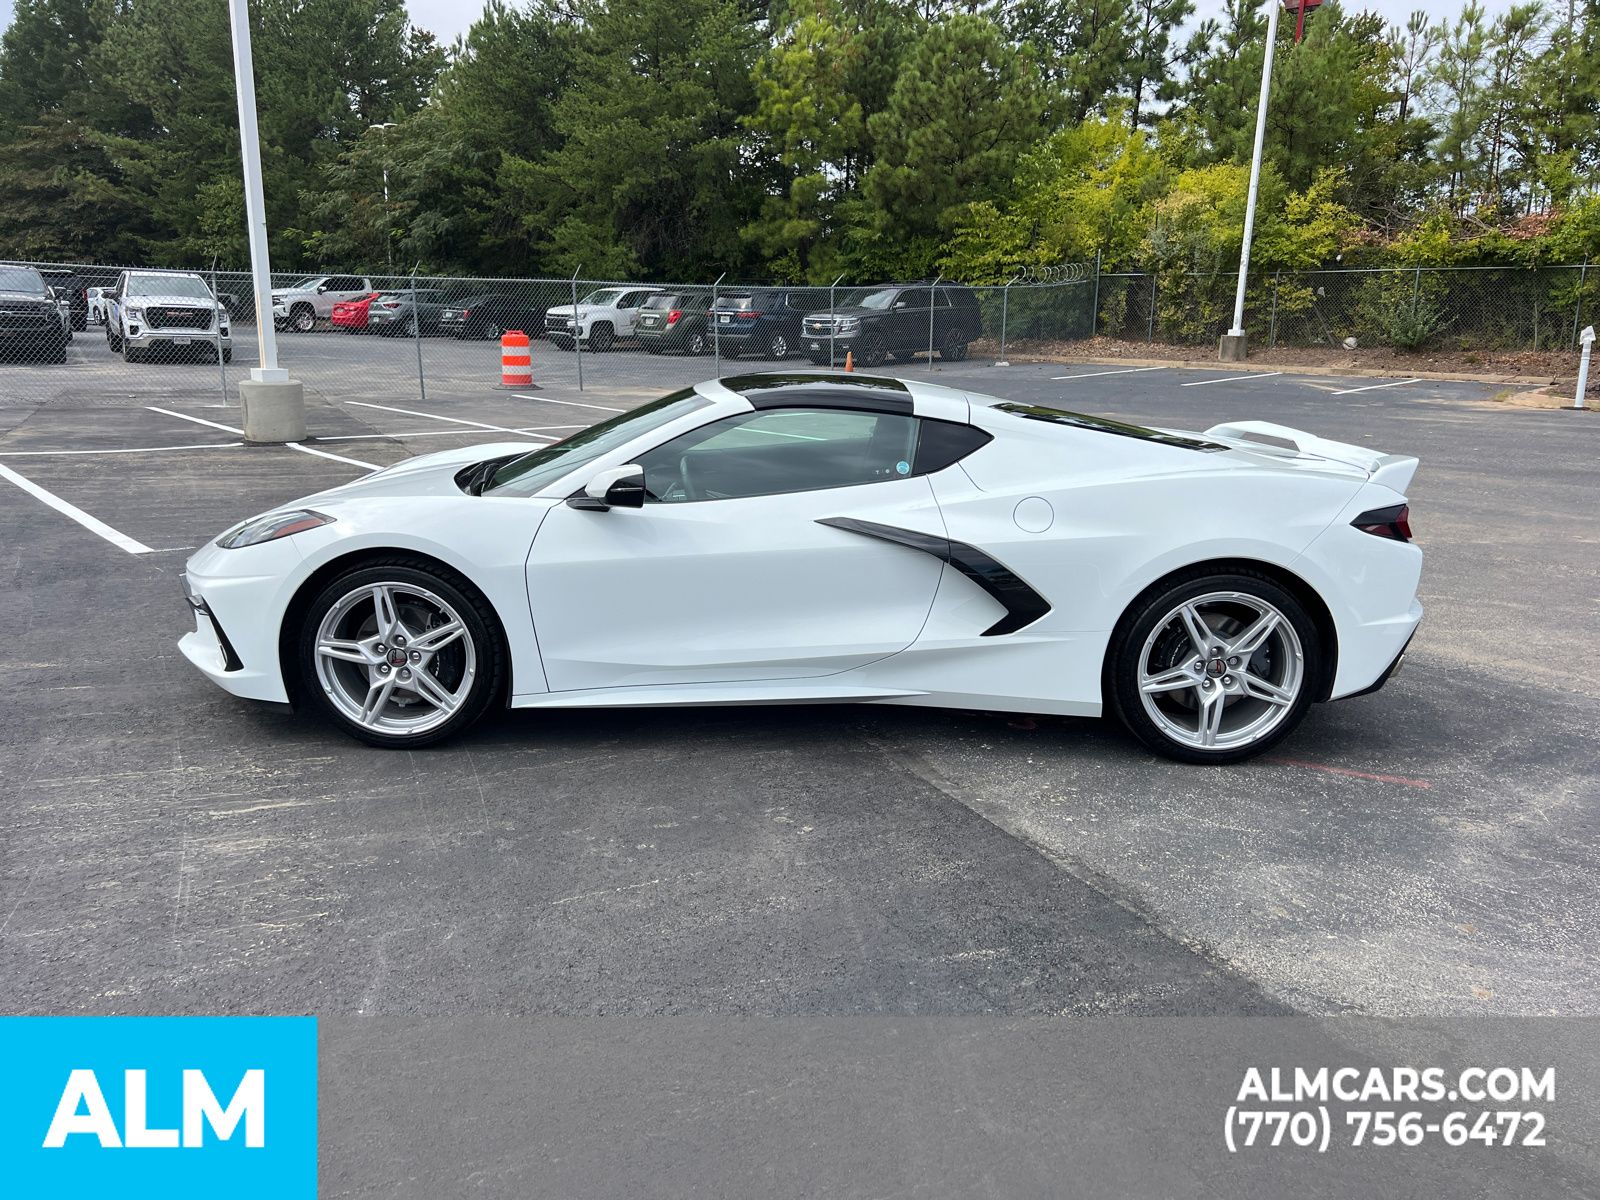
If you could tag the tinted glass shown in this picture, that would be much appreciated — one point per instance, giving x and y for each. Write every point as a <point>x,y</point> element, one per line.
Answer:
<point>942,443</point>
<point>539,468</point>
<point>662,300</point>
<point>21,279</point>
<point>881,298</point>
<point>736,303</point>
<point>778,451</point>
<point>168,285</point>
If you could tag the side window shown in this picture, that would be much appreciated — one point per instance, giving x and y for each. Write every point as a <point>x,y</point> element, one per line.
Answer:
<point>941,298</point>
<point>781,450</point>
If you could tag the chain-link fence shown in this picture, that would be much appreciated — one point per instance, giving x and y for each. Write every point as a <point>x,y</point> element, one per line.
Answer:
<point>106,331</point>
<point>77,332</point>
<point>1404,308</point>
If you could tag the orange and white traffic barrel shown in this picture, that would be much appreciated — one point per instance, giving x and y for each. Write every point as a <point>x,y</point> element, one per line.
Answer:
<point>516,360</point>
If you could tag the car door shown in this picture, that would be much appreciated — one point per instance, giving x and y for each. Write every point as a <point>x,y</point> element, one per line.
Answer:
<point>908,320</point>
<point>628,305</point>
<point>728,572</point>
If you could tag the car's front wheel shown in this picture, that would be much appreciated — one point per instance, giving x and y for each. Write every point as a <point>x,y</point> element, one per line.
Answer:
<point>401,653</point>
<point>303,318</point>
<point>1213,667</point>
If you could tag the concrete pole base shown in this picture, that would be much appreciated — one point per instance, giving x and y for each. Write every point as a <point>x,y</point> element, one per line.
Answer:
<point>273,412</point>
<point>1232,348</point>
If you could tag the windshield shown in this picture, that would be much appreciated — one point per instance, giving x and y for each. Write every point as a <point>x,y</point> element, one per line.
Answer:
<point>526,475</point>
<point>20,279</point>
<point>168,285</point>
<point>882,298</point>
<point>306,284</point>
<point>602,296</point>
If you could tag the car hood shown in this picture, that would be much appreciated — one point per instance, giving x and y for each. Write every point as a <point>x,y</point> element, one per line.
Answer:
<point>425,475</point>
<point>584,310</point>
<point>850,310</point>
<point>20,297</point>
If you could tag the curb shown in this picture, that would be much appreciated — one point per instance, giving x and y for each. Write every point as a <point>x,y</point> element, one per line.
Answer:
<point>1531,381</point>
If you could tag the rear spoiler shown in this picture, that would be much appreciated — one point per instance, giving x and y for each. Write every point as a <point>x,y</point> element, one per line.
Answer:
<point>1391,470</point>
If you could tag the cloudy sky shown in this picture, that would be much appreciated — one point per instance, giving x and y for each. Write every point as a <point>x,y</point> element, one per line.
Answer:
<point>450,17</point>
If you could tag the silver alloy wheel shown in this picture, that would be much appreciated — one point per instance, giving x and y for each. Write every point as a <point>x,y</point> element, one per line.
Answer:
<point>779,347</point>
<point>305,318</point>
<point>1221,671</point>
<point>395,657</point>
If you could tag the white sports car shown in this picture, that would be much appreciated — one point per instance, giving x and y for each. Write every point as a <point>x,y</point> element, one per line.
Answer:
<point>796,538</point>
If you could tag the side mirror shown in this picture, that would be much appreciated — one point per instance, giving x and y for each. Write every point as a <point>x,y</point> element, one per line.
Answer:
<point>617,487</point>
<point>321,287</point>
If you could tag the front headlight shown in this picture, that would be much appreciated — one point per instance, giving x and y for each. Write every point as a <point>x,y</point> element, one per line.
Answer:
<point>135,312</point>
<point>272,526</point>
<point>849,325</point>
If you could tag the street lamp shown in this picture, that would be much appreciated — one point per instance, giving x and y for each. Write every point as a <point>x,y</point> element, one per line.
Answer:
<point>274,405</point>
<point>1232,348</point>
<point>388,248</point>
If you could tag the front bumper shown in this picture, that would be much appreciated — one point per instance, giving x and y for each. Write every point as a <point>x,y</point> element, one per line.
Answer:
<point>237,615</point>
<point>139,335</point>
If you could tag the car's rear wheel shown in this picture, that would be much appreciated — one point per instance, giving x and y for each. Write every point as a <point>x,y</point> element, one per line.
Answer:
<point>954,348</point>
<point>778,347</point>
<point>1214,667</point>
<point>696,344</point>
<point>401,654</point>
<point>873,350</point>
<point>113,340</point>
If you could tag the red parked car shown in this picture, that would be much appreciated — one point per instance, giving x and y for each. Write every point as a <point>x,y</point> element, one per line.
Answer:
<point>351,315</point>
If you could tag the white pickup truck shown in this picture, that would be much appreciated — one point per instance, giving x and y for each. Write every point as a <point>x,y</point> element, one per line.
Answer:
<point>603,316</point>
<point>164,312</point>
<point>306,301</point>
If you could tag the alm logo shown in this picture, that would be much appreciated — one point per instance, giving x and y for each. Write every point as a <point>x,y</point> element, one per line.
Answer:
<point>82,1110</point>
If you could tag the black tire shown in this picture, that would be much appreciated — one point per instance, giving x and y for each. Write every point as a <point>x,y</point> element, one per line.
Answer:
<point>477,615</point>
<point>695,344</point>
<point>227,356</point>
<point>872,350</point>
<point>955,346</point>
<point>130,355</point>
<point>302,318</point>
<point>1145,622</point>
<point>113,340</point>
<point>602,336</point>
<point>778,347</point>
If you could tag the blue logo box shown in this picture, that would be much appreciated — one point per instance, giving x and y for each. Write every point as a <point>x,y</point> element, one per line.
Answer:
<point>159,1106</point>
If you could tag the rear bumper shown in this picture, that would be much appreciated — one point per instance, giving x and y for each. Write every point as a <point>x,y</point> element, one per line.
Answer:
<point>1389,672</point>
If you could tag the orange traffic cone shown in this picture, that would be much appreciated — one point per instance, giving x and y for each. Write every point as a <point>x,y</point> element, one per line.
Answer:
<point>849,360</point>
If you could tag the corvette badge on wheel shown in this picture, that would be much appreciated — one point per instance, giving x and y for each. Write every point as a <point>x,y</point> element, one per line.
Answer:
<point>805,538</point>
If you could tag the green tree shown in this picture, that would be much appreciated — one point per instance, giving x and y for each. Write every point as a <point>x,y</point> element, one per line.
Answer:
<point>650,174</point>
<point>1087,50</point>
<point>965,108</point>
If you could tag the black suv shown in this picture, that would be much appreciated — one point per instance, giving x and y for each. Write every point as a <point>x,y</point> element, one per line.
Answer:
<point>67,283</point>
<point>674,321</point>
<point>30,322</point>
<point>876,322</point>
<point>764,322</point>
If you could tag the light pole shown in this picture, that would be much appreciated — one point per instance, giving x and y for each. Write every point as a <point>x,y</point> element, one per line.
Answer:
<point>1232,348</point>
<point>388,243</point>
<point>274,405</point>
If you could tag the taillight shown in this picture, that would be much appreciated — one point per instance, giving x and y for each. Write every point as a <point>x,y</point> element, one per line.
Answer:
<point>1392,522</point>
<point>673,315</point>
<point>748,316</point>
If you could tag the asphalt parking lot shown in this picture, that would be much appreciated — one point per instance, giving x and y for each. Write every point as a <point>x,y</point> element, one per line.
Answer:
<point>1431,849</point>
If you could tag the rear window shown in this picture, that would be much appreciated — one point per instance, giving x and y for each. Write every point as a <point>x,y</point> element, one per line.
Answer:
<point>662,300</point>
<point>737,303</point>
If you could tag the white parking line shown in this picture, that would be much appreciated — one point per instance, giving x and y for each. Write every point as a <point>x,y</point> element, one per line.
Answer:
<point>1233,378</point>
<point>573,403</point>
<point>167,412</point>
<point>1375,386</point>
<point>1094,374</point>
<point>354,462</point>
<point>121,450</point>
<point>93,524</point>
<point>411,412</point>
